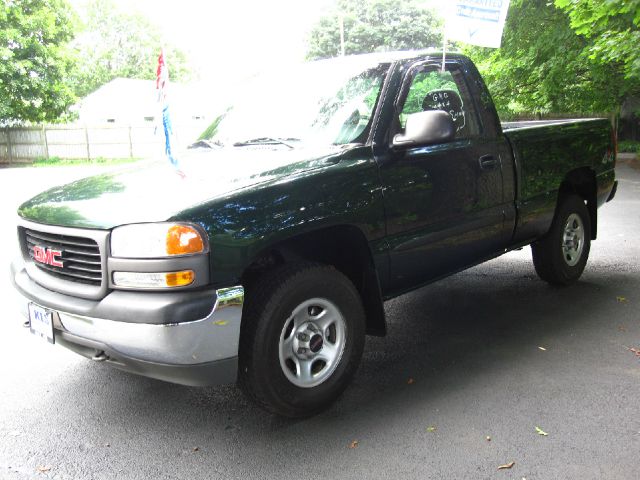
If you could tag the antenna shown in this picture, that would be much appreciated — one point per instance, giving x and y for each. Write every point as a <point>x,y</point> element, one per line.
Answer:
<point>444,48</point>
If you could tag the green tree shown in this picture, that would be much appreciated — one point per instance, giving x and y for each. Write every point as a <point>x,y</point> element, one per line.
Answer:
<point>35,59</point>
<point>542,66</point>
<point>613,29</point>
<point>375,25</point>
<point>115,44</point>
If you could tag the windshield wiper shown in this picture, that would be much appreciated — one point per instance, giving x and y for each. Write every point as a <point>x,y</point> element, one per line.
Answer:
<point>206,144</point>
<point>267,141</point>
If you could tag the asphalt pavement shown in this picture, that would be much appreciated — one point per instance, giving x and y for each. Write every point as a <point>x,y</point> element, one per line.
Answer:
<point>470,367</point>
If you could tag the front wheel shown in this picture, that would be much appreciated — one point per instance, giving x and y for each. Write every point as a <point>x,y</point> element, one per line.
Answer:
<point>302,338</point>
<point>561,255</point>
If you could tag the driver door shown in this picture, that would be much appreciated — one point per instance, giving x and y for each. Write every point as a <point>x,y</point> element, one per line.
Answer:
<point>444,201</point>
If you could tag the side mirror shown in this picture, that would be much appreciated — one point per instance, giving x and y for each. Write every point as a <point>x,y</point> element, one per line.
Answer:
<point>426,128</point>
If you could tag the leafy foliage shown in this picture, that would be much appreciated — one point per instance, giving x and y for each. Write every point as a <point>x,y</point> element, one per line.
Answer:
<point>375,25</point>
<point>629,146</point>
<point>115,44</point>
<point>35,59</point>
<point>613,26</point>
<point>544,67</point>
<point>425,83</point>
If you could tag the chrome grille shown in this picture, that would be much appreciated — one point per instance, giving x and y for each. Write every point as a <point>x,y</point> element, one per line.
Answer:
<point>80,256</point>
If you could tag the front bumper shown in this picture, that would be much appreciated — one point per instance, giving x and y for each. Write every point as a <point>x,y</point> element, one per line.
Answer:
<point>198,352</point>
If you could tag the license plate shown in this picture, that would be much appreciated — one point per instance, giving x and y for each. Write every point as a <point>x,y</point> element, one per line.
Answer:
<point>41,322</point>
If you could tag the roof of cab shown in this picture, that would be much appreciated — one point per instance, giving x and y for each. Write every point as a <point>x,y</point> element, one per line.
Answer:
<point>389,57</point>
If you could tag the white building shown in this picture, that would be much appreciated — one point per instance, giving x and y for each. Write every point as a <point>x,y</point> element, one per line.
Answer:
<point>132,102</point>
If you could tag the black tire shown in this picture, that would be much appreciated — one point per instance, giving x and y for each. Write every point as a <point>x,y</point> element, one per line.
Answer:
<point>559,260</point>
<point>265,375</point>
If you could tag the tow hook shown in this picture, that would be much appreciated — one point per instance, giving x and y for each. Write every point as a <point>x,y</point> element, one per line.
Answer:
<point>100,356</point>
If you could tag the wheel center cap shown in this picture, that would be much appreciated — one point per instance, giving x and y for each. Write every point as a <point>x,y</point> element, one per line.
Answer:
<point>315,344</point>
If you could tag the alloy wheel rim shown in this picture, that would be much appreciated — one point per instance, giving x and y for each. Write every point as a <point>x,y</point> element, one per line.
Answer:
<point>312,342</point>
<point>573,240</point>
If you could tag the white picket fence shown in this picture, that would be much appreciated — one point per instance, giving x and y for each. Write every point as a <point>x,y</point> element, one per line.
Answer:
<point>25,144</point>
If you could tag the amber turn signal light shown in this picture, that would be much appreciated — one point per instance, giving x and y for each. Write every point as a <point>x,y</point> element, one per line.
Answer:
<point>180,279</point>
<point>154,279</point>
<point>183,240</point>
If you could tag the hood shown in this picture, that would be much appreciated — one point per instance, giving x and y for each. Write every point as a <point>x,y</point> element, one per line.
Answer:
<point>155,192</point>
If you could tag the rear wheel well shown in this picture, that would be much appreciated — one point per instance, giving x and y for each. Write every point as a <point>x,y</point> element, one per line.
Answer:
<point>345,248</point>
<point>582,182</point>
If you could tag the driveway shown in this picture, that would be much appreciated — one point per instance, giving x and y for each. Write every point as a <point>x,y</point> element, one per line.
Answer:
<point>470,367</point>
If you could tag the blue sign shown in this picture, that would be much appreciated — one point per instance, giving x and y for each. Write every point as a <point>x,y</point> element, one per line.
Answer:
<point>478,22</point>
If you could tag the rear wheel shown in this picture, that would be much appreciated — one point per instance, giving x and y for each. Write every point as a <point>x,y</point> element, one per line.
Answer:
<point>302,338</point>
<point>561,255</point>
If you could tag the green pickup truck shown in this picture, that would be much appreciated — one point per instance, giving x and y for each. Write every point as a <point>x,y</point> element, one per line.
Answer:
<point>320,192</point>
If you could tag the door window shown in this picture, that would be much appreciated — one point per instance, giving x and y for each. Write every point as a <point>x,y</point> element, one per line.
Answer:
<point>433,89</point>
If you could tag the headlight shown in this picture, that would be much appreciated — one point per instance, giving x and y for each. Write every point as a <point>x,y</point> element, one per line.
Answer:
<point>156,240</point>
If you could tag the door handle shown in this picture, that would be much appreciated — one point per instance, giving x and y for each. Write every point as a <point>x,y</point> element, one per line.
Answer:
<point>488,162</point>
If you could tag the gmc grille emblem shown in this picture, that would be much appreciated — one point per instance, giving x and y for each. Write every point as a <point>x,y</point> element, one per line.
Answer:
<point>47,256</point>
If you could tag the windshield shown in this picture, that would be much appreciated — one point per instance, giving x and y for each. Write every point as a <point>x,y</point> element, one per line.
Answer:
<point>328,102</point>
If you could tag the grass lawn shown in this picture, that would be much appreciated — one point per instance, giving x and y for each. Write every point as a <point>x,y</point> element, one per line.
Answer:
<point>65,162</point>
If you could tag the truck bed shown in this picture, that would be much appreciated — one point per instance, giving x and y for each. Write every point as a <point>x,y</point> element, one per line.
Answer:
<point>545,153</point>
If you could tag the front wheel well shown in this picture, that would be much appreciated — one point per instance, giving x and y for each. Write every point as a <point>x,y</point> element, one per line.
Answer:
<point>345,248</point>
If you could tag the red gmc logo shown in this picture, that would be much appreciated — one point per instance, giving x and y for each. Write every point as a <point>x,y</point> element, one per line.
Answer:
<point>47,255</point>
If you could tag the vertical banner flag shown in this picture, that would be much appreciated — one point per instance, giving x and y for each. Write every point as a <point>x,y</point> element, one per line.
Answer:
<point>162,83</point>
<point>477,22</point>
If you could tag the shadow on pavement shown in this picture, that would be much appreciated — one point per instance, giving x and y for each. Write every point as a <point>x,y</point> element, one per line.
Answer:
<point>462,330</point>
